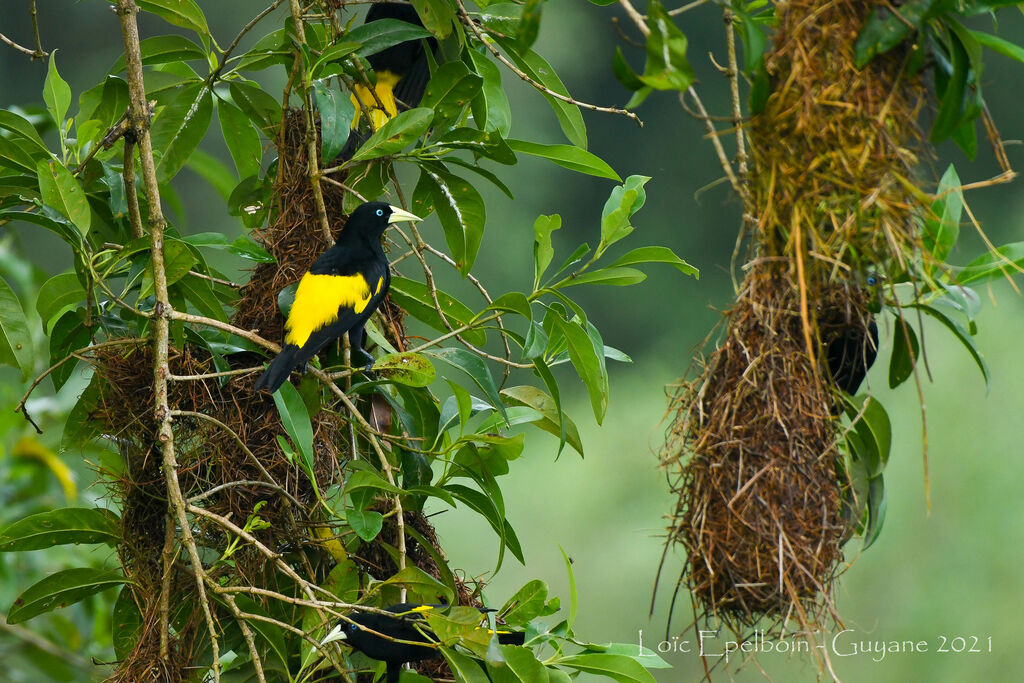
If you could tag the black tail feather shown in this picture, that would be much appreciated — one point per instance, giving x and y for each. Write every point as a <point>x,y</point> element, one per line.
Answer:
<point>282,366</point>
<point>513,638</point>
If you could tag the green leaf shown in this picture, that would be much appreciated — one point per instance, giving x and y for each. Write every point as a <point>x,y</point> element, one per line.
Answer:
<point>21,126</point>
<point>125,623</point>
<point>905,351</point>
<point>589,364</point>
<point>622,203</point>
<point>422,586</point>
<point>58,294</point>
<point>62,191</point>
<point>883,30</point>
<point>69,333</point>
<point>365,522</point>
<point>183,13</point>
<point>491,110</point>
<point>382,34</point>
<point>605,276</point>
<point>1005,260</point>
<point>1000,45</point>
<point>655,255</point>
<point>336,114</point>
<point>537,68</point>
<point>873,430</point>
<point>241,138</point>
<point>462,213</point>
<point>414,297</point>
<point>56,92</point>
<point>49,219</point>
<point>369,479</point>
<point>178,261</point>
<point>523,664</point>
<point>645,656</point>
<point>199,293</point>
<point>527,603</point>
<point>448,92</point>
<point>164,49</point>
<point>61,589</point>
<point>15,340</point>
<point>511,302</point>
<point>437,16</point>
<point>466,670</point>
<point>942,226</point>
<point>567,156</point>
<point>476,368</point>
<point>260,107</point>
<point>485,506</point>
<point>618,667</point>
<point>554,420</point>
<point>333,54</point>
<point>180,127</point>
<point>624,72</point>
<point>876,511</point>
<point>952,97</point>
<point>410,369</point>
<point>543,252</point>
<point>961,334</point>
<point>295,420</point>
<point>667,67</point>
<point>60,527</point>
<point>396,134</point>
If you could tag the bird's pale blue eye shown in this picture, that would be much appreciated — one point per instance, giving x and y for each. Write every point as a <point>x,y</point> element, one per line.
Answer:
<point>871,280</point>
<point>353,627</point>
<point>380,212</point>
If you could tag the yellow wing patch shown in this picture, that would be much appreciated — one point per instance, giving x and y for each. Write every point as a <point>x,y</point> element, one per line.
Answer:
<point>317,301</point>
<point>363,98</point>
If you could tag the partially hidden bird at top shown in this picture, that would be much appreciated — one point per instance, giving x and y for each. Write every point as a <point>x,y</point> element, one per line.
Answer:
<point>338,294</point>
<point>402,70</point>
<point>377,635</point>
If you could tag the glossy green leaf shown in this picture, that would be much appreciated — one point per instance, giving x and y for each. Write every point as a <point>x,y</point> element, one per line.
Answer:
<point>410,369</point>
<point>543,252</point>
<point>20,126</point>
<point>332,54</point>
<point>1000,45</point>
<point>491,110</point>
<point>58,294</point>
<point>883,30</point>
<point>525,666</point>
<point>655,255</point>
<point>199,292</point>
<point>15,340</point>
<point>68,334</point>
<point>164,49</point>
<point>605,276</point>
<point>396,134</point>
<point>183,13</point>
<point>437,16</point>
<point>179,129</point>
<point>241,138</point>
<point>622,203</point>
<point>414,297</point>
<point>61,190</point>
<point>178,261</point>
<point>466,670</point>
<point>449,90</point>
<point>645,656</point>
<point>667,67</point>
<point>537,68</point>
<point>476,368</point>
<point>60,589</point>
<point>961,334</point>
<point>620,668</point>
<point>422,586</point>
<point>1007,260</point>
<point>336,114</point>
<point>567,156</point>
<point>952,97</point>
<point>588,363</point>
<point>365,522</point>
<point>876,510</point>
<point>905,351</point>
<point>261,108</point>
<point>624,72</point>
<point>295,420</point>
<point>554,421</point>
<point>56,92</point>
<point>462,213</point>
<point>61,527</point>
<point>382,34</point>
<point>50,220</point>
<point>874,430</point>
<point>125,623</point>
<point>942,226</point>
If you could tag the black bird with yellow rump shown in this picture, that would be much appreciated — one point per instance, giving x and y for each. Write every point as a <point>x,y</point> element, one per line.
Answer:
<point>380,636</point>
<point>338,294</point>
<point>402,70</point>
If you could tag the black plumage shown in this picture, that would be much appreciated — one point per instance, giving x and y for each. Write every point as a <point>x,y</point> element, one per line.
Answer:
<point>407,624</point>
<point>338,294</point>
<point>850,354</point>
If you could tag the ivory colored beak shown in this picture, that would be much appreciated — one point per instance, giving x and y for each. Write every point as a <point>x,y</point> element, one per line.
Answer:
<point>337,633</point>
<point>398,215</point>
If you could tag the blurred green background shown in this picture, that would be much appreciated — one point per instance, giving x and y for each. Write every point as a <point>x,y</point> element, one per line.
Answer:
<point>951,572</point>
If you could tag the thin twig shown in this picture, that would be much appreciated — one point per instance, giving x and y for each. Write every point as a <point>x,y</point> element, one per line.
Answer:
<point>24,50</point>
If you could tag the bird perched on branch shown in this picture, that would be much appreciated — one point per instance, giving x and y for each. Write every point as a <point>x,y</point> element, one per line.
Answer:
<point>339,293</point>
<point>402,70</point>
<point>377,635</point>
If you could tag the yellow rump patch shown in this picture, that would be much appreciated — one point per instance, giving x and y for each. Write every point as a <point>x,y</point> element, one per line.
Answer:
<point>386,82</point>
<point>422,608</point>
<point>317,301</point>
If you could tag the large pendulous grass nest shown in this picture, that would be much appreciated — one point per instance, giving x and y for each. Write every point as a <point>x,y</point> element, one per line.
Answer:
<point>753,449</point>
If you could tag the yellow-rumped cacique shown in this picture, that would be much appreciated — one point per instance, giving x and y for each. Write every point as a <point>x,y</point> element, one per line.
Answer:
<point>338,294</point>
<point>377,635</point>
<point>402,70</point>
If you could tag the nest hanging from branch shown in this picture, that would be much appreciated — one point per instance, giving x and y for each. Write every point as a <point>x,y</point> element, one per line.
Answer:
<point>753,447</point>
